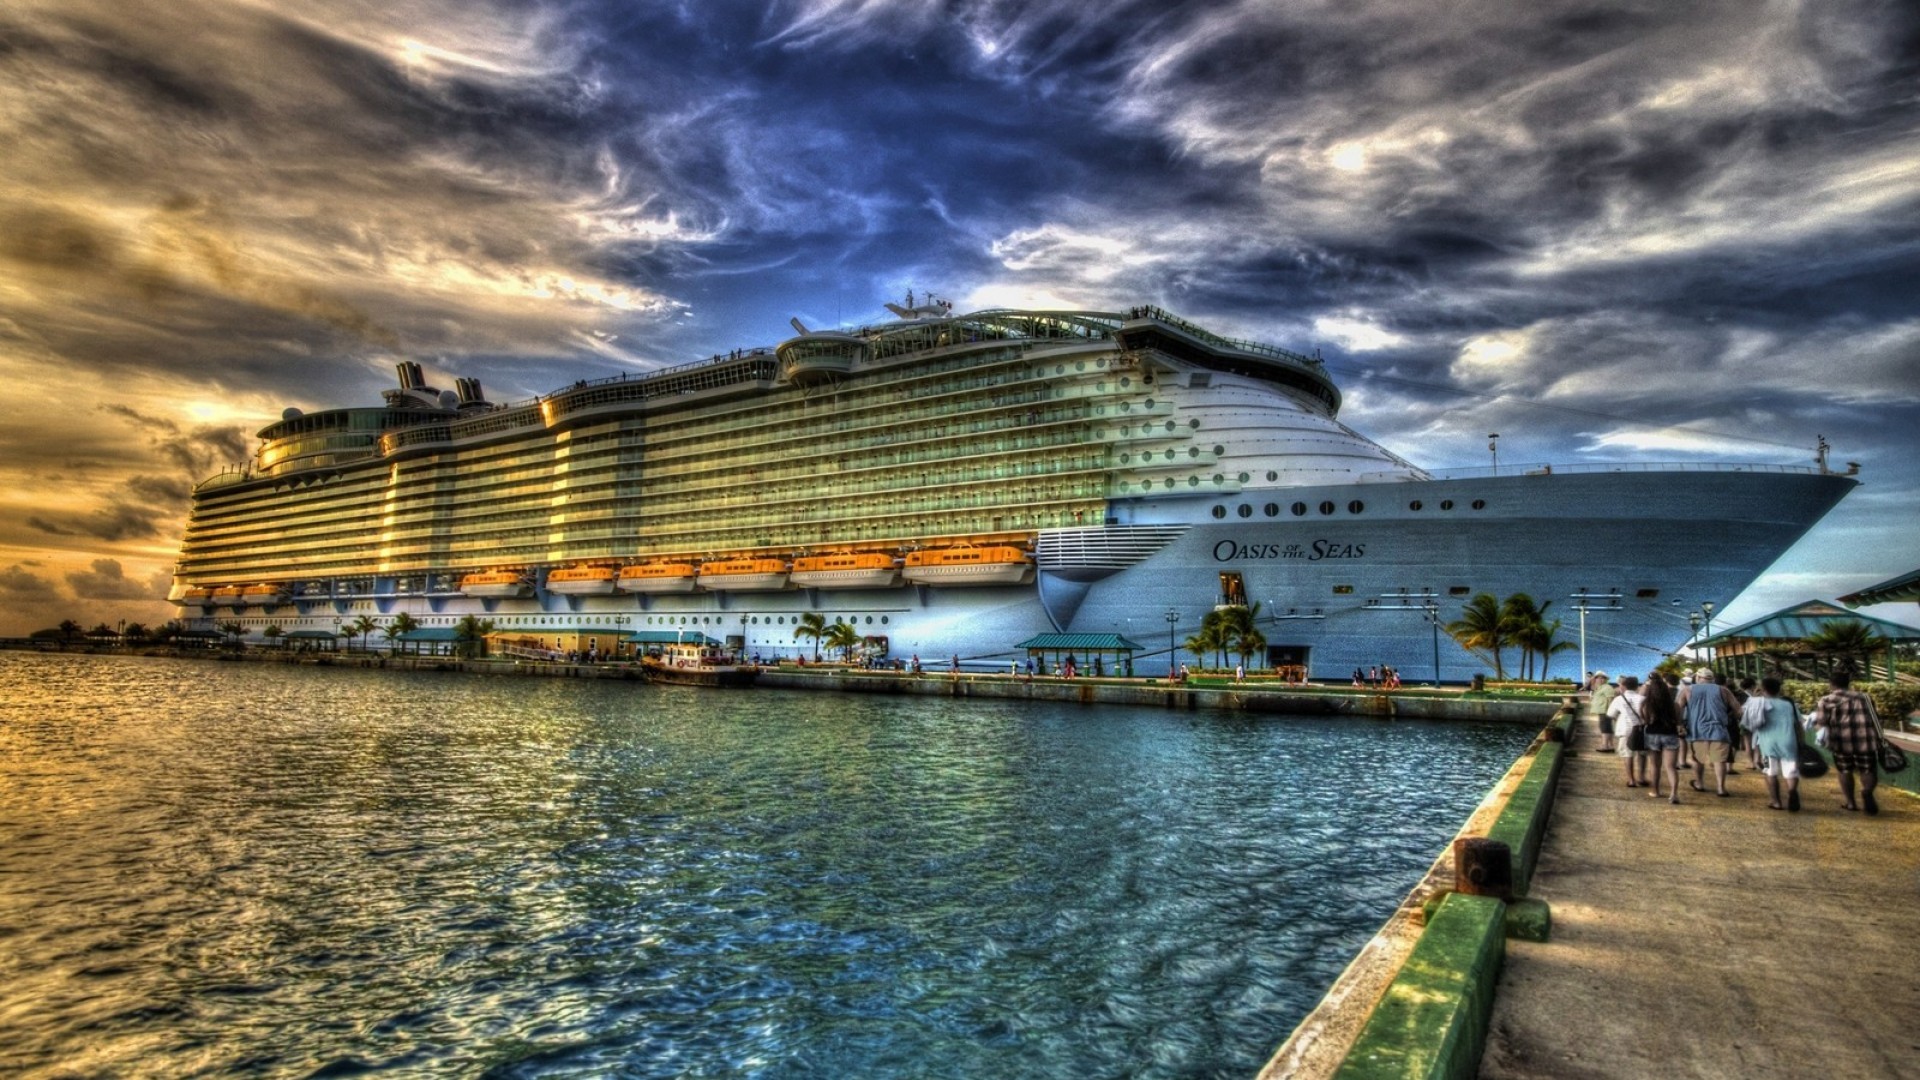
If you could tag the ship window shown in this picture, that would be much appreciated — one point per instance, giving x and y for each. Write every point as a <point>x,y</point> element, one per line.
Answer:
<point>1193,451</point>
<point>1458,590</point>
<point>1218,449</point>
<point>1169,454</point>
<point>1219,478</point>
<point>1479,504</point>
<point>1199,380</point>
<point>1414,505</point>
<point>1271,509</point>
<point>1326,507</point>
<point>1059,369</point>
<point>1244,478</point>
<point>1245,511</point>
<point>1149,403</point>
<point>1356,506</point>
<point>1271,475</point>
<point>1343,590</point>
<point>1169,427</point>
<point>1647,594</point>
<point>1169,483</point>
<point>1125,382</point>
<point>1446,504</point>
<point>1125,457</point>
<point>883,620</point>
<point>1080,366</point>
<point>1193,481</point>
<point>1193,425</point>
<point>1219,511</point>
<point>1299,509</point>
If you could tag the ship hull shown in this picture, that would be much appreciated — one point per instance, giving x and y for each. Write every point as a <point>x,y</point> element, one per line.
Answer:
<point>846,579</point>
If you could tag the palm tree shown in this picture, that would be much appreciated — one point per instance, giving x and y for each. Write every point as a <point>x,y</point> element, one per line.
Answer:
<point>470,635</point>
<point>1845,644</point>
<point>1247,643</point>
<point>232,630</point>
<point>402,623</point>
<point>68,631</point>
<point>365,625</point>
<point>812,625</point>
<point>136,632</point>
<point>273,632</point>
<point>1208,640</point>
<point>1525,625</point>
<point>1481,629</point>
<point>844,637</point>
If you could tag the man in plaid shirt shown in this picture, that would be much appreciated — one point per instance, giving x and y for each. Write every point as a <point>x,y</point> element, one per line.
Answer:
<point>1852,739</point>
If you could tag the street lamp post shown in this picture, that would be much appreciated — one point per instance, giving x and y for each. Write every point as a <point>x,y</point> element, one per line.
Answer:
<point>1433,617</point>
<point>1173,619</point>
<point>1693,624</point>
<point>1707,606</point>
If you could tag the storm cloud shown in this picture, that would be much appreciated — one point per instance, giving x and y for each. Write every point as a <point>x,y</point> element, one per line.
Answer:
<point>1625,230</point>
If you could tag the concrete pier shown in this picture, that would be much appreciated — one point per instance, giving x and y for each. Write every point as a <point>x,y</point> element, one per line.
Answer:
<point>1716,938</point>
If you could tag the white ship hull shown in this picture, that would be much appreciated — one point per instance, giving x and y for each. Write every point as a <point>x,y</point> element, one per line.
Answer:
<point>581,588</point>
<point>744,582</point>
<point>846,579</point>
<point>656,586</point>
<point>974,574</point>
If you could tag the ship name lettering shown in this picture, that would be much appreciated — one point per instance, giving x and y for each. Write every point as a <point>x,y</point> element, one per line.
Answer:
<point>1231,550</point>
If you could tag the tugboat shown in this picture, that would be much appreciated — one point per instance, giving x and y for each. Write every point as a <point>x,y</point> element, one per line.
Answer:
<point>700,662</point>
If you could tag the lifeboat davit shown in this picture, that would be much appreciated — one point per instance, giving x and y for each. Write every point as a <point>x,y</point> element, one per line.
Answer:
<point>582,581</point>
<point>744,575</point>
<point>495,585</point>
<point>651,578</point>
<point>998,565</point>
<point>864,570</point>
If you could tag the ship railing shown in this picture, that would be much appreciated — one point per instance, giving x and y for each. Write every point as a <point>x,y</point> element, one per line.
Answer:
<point>1581,468</point>
<point>1236,344</point>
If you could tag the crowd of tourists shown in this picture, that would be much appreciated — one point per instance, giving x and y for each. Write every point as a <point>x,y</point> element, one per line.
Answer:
<point>1695,725</point>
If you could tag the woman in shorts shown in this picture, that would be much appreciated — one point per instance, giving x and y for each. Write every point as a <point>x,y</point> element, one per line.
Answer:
<point>1773,725</point>
<point>1662,736</point>
<point>1627,713</point>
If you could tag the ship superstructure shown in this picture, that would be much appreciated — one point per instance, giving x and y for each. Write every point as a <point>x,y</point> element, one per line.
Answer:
<point>951,484</point>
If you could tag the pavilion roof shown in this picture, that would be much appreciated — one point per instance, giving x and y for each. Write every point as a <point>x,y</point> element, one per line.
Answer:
<point>1807,618</point>
<point>1080,642</point>
<point>1904,587</point>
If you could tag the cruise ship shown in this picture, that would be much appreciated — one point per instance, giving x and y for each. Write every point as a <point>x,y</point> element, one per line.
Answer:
<point>953,485</point>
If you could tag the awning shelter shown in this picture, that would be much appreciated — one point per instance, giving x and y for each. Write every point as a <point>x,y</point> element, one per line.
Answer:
<point>1756,648</point>
<point>1113,652</point>
<point>1891,591</point>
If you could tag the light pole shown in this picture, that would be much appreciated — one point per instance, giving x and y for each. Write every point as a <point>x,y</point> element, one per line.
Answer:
<point>1707,606</point>
<point>1173,619</point>
<point>1493,446</point>
<point>1693,623</point>
<point>1433,617</point>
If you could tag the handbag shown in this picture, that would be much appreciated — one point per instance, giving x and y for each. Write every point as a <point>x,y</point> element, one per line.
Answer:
<point>1892,758</point>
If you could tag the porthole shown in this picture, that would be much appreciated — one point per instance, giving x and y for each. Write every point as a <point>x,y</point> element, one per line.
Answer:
<point>1193,425</point>
<point>1125,457</point>
<point>1169,453</point>
<point>1193,451</point>
<point>883,620</point>
<point>1101,386</point>
<point>1059,369</point>
<point>1125,382</point>
<point>1271,475</point>
<point>1356,506</point>
<point>1245,511</point>
<point>1193,481</point>
<point>1446,504</point>
<point>1080,366</point>
<point>1219,511</point>
<point>1219,478</point>
<point>1244,478</point>
<point>1326,507</point>
<point>1149,404</point>
<point>1299,509</point>
<point>1169,483</point>
<point>1170,426</point>
<point>1271,509</point>
<point>869,620</point>
<point>1414,505</point>
<point>1479,504</point>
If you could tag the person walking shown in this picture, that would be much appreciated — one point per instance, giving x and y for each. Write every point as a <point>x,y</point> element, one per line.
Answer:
<point>1599,700</point>
<point>1773,730</point>
<point>1709,709</point>
<point>1662,735</point>
<point>1626,714</point>
<point>1846,715</point>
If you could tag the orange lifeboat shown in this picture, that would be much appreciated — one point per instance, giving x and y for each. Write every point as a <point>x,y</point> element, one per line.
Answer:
<point>861,570</point>
<point>744,575</point>
<point>661,577</point>
<point>997,565</point>
<point>198,596</point>
<point>264,594</point>
<point>229,595</point>
<point>582,581</point>
<point>495,585</point>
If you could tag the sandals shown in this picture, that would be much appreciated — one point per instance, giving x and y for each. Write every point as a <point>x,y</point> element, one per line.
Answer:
<point>1695,785</point>
<point>1866,798</point>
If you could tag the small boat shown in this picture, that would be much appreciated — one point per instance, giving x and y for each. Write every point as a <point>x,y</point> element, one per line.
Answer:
<point>666,577</point>
<point>582,581</point>
<point>744,575</point>
<point>496,584</point>
<point>995,565</point>
<point>197,597</point>
<point>714,675</point>
<point>856,570</point>
<point>229,596</point>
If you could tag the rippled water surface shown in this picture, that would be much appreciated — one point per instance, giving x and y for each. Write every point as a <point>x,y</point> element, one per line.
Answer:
<point>214,869</point>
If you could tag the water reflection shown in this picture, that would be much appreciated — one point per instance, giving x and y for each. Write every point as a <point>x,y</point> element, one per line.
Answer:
<point>282,871</point>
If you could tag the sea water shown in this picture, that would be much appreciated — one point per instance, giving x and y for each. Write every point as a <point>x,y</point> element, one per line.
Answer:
<point>259,869</point>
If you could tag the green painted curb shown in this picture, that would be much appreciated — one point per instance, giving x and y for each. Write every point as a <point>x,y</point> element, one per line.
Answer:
<point>1431,1024</point>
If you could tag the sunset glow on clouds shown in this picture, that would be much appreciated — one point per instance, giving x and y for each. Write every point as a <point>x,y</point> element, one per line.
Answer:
<point>1639,231</point>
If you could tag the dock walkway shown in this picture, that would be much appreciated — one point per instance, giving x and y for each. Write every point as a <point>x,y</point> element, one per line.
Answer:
<point>1716,938</point>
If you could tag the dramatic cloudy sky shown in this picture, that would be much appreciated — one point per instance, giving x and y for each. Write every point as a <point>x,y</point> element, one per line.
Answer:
<point>1631,231</point>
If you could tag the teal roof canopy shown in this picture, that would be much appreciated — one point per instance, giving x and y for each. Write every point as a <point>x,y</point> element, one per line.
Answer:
<point>1892,590</point>
<point>1805,619</point>
<point>309,635</point>
<point>670,637</point>
<point>431,633</point>
<point>1079,642</point>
